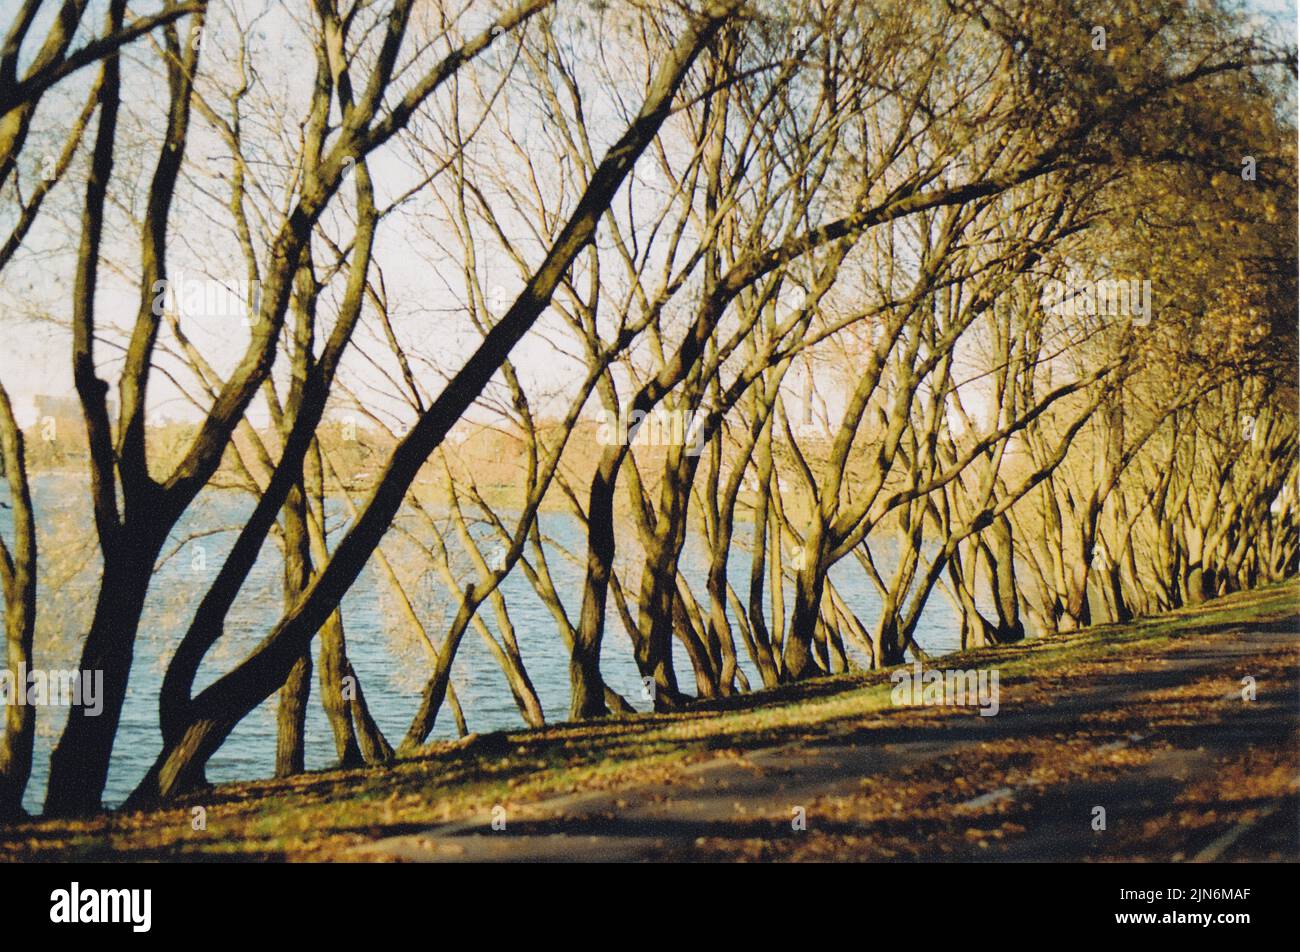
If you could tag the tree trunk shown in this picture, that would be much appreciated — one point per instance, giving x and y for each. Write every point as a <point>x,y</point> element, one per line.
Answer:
<point>587,697</point>
<point>291,716</point>
<point>335,695</point>
<point>79,763</point>
<point>18,574</point>
<point>798,659</point>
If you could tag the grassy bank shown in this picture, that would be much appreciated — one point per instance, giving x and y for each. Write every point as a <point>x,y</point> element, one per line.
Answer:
<point>322,815</point>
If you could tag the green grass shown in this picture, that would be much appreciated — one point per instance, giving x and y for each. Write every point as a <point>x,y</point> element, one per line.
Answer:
<point>322,814</point>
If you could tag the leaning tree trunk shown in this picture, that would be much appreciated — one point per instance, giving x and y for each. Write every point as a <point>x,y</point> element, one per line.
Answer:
<point>336,694</point>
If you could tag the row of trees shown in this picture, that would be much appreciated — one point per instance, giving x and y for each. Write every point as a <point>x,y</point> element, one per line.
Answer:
<point>809,245</point>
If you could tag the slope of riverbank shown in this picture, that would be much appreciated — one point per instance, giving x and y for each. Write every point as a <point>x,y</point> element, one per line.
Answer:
<point>1146,721</point>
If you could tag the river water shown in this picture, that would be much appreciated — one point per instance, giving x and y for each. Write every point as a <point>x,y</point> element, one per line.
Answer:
<point>388,656</point>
